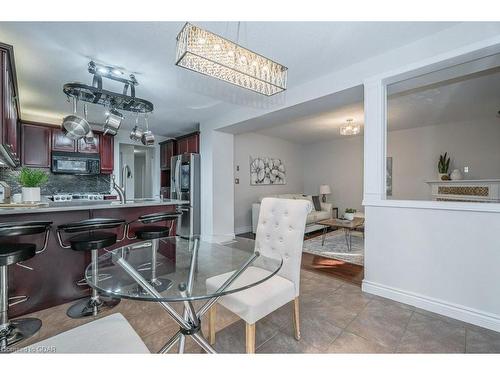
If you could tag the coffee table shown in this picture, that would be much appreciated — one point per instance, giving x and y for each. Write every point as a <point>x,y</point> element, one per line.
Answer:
<point>347,226</point>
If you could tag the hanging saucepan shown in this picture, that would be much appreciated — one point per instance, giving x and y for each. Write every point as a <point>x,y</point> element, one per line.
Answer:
<point>137,132</point>
<point>73,126</point>
<point>113,122</point>
<point>148,139</point>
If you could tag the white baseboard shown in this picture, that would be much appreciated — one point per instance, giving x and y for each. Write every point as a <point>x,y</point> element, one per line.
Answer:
<point>459,312</point>
<point>241,230</point>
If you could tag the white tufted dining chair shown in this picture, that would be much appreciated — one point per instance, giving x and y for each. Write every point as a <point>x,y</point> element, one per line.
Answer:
<point>280,231</point>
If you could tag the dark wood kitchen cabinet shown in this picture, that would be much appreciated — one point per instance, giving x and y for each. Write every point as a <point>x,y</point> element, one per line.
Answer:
<point>88,148</point>
<point>107,153</point>
<point>9,102</point>
<point>167,150</point>
<point>62,143</point>
<point>189,143</point>
<point>36,145</point>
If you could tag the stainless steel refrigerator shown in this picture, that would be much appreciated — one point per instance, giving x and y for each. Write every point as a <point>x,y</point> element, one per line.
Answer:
<point>185,185</point>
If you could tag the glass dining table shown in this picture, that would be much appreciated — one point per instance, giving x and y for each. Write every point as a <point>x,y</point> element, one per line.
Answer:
<point>177,272</point>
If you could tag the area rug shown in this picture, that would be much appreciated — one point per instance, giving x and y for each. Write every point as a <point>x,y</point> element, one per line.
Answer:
<point>335,247</point>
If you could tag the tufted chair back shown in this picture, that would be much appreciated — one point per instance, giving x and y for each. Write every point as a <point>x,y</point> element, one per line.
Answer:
<point>281,231</point>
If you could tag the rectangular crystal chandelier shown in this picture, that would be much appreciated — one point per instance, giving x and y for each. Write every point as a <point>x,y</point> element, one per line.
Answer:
<point>210,54</point>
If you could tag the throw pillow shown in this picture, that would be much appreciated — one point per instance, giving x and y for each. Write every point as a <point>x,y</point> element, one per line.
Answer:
<point>316,202</point>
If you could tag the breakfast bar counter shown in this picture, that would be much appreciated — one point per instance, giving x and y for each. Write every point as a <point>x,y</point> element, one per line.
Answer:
<point>49,206</point>
<point>54,276</point>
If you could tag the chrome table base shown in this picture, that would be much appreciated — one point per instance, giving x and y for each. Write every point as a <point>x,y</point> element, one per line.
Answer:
<point>190,321</point>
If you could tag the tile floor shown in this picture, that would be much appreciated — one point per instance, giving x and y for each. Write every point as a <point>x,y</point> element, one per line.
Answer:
<point>336,317</point>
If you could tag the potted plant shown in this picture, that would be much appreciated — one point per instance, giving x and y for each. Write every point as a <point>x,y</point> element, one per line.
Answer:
<point>349,214</point>
<point>443,166</point>
<point>31,180</point>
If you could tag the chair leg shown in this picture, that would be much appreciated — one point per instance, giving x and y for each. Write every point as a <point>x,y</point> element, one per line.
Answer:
<point>212,313</point>
<point>296,318</point>
<point>250,338</point>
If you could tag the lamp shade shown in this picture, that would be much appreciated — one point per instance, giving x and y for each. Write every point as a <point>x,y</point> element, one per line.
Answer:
<point>325,189</point>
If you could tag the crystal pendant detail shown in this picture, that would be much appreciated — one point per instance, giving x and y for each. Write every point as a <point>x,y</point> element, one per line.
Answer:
<point>210,54</point>
<point>350,128</point>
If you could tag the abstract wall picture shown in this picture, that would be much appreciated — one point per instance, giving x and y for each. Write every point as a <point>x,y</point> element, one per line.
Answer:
<point>267,171</point>
<point>388,177</point>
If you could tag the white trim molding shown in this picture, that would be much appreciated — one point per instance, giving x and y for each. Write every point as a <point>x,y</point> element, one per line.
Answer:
<point>459,312</point>
<point>435,205</point>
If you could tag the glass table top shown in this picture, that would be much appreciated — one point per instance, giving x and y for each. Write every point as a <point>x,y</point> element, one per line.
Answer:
<point>122,272</point>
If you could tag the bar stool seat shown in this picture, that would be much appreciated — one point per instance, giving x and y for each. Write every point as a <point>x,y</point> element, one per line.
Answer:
<point>92,241</point>
<point>14,331</point>
<point>152,232</point>
<point>92,235</point>
<point>16,252</point>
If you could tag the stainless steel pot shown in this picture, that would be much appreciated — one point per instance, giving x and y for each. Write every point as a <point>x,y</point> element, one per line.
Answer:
<point>148,139</point>
<point>113,122</point>
<point>136,134</point>
<point>75,127</point>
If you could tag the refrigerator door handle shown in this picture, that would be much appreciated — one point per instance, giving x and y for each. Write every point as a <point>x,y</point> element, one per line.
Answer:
<point>177,178</point>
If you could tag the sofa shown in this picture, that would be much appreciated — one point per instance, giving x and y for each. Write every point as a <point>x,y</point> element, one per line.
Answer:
<point>312,218</point>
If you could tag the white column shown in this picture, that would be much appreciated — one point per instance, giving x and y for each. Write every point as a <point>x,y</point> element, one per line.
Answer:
<point>217,189</point>
<point>374,141</point>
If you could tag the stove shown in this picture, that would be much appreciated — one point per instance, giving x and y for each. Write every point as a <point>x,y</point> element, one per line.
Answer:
<point>62,197</point>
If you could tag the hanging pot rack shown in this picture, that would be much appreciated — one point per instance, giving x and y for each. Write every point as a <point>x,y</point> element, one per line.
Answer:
<point>97,95</point>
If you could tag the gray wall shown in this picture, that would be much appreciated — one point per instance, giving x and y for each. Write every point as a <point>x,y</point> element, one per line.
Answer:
<point>338,163</point>
<point>415,153</point>
<point>253,144</point>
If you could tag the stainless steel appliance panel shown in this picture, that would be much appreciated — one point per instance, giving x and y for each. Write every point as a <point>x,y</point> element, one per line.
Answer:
<point>185,185</point>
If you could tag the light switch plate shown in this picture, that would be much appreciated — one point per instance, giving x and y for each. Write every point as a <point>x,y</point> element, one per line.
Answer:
<point>466,169</point>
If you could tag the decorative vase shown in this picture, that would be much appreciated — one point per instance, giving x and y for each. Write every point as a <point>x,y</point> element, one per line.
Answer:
<point>349,216</point>
<point>441,175</point>
<point>456,175</point>
<point>30,194</point>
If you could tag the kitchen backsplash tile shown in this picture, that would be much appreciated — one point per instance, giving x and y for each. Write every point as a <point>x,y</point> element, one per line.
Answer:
<point>61,183</point>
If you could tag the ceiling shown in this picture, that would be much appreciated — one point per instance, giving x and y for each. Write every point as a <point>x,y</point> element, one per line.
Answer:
<point>468,98</point>
<point>49,54</point>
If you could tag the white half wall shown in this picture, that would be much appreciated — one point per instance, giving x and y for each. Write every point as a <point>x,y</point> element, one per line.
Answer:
<point>253,144</point>
<point>439,256</point>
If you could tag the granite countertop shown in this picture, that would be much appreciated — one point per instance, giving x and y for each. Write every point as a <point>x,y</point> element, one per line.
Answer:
<point>91,205</point>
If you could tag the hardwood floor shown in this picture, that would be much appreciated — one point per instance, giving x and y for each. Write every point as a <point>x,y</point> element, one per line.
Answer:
<point>351,273</point>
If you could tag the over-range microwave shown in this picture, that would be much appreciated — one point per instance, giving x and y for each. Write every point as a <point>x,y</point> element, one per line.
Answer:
<point>75,163</point>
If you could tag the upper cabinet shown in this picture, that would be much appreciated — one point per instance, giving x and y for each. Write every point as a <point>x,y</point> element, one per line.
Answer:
<point>9,107</point>
<point>88,147</point>
<point>36,145</point>
<point>189,143</point>
<point>167,150</point>
<point>62,143</point>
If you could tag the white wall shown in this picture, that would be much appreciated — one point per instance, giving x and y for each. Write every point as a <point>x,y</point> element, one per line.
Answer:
<point>338,163</point>
<point>439,256</point>
<point>123,138</point>
<point>415,153</point>
<point>253,144</point>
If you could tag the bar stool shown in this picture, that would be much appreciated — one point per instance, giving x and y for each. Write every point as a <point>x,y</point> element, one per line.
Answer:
<point>154,233</point>
<point>92,240</point>
<point>13,331</point>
